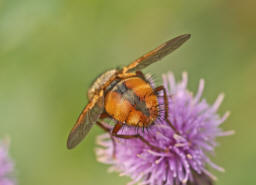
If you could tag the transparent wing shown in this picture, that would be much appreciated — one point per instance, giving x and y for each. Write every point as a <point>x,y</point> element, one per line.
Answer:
<point>85,121</point>
<point>156,54</point>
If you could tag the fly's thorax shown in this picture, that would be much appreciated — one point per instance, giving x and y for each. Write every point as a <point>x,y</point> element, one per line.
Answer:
<point>132,101</point>
<point>100,81</point>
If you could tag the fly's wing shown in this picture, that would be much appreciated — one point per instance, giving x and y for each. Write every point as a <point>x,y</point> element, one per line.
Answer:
<point>156,54</point>
<point>84,123</point>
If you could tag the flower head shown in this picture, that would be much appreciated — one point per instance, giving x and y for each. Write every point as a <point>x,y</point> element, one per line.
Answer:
<point>6,165</point>
<point>183,159</point>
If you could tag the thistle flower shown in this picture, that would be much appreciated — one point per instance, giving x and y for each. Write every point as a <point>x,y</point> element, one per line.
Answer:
<point>185,160</point>
<point>6,165</point>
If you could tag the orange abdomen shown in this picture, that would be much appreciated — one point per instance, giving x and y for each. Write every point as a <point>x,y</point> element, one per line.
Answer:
<point>132,101</point>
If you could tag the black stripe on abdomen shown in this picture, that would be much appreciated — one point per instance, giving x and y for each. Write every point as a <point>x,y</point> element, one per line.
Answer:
<point>130,96</point>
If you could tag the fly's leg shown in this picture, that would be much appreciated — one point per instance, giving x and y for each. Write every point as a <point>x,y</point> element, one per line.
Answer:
<point>105,128</point>
<point>166,107</point>
<point>118,126</point>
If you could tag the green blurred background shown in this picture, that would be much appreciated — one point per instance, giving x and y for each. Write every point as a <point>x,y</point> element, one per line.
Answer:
<point>51,50</point>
